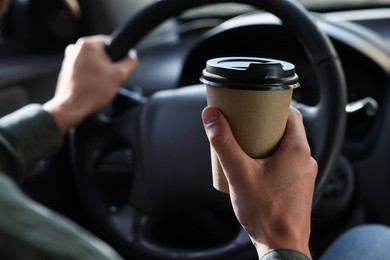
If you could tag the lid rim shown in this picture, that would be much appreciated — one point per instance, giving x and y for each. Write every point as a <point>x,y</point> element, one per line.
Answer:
<point>244,86</point>
<point>249,73</point>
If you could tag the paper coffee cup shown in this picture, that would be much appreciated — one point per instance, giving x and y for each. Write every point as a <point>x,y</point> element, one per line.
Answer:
<point>254,94</point>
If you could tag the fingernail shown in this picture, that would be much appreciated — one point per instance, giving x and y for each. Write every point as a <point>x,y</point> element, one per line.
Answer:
<point>210,115</point>
<point>133,54</point>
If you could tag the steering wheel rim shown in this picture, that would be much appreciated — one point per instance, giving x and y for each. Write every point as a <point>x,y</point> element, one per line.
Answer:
<point>295,17</point>
<point>327,117</point>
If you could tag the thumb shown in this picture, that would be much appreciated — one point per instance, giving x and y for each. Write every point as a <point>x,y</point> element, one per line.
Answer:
<point>221,138</point>
<point>127,65</point>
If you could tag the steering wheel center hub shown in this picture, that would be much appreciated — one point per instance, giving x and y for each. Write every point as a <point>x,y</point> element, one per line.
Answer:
<point>175,172</point>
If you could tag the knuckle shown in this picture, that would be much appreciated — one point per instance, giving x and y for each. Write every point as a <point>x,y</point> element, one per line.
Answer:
<point>302,149</point>
<point>297,113</point>
<point>69,49</point>
<point>81,41</point>
<point>85,44</point>
<point>313,165</point>
<point>216,137</point>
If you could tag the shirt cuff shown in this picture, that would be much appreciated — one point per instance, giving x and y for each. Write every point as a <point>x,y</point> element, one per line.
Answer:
<point>284,253</point>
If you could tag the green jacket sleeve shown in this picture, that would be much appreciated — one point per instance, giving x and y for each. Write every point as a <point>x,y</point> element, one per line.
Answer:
<point>27,136</point>
<point>284,254</point>
<point>32,232</point>
<point>27,229</point>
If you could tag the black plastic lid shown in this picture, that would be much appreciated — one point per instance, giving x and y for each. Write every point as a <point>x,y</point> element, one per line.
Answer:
<point>250,73</point>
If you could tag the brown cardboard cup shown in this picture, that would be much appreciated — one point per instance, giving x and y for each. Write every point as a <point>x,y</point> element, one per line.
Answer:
<point>254,95</point>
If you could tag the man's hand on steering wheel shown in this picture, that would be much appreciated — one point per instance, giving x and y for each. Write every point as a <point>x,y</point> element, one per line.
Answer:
<point>89,80</point>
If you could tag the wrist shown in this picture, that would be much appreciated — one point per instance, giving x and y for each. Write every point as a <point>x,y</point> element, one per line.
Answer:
<point>65,115</point>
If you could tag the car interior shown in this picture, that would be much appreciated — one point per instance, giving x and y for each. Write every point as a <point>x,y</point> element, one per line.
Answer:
<point>137,174</point>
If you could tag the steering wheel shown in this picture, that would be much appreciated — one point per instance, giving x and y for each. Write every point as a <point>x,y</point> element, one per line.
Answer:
<point>144,177</point>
